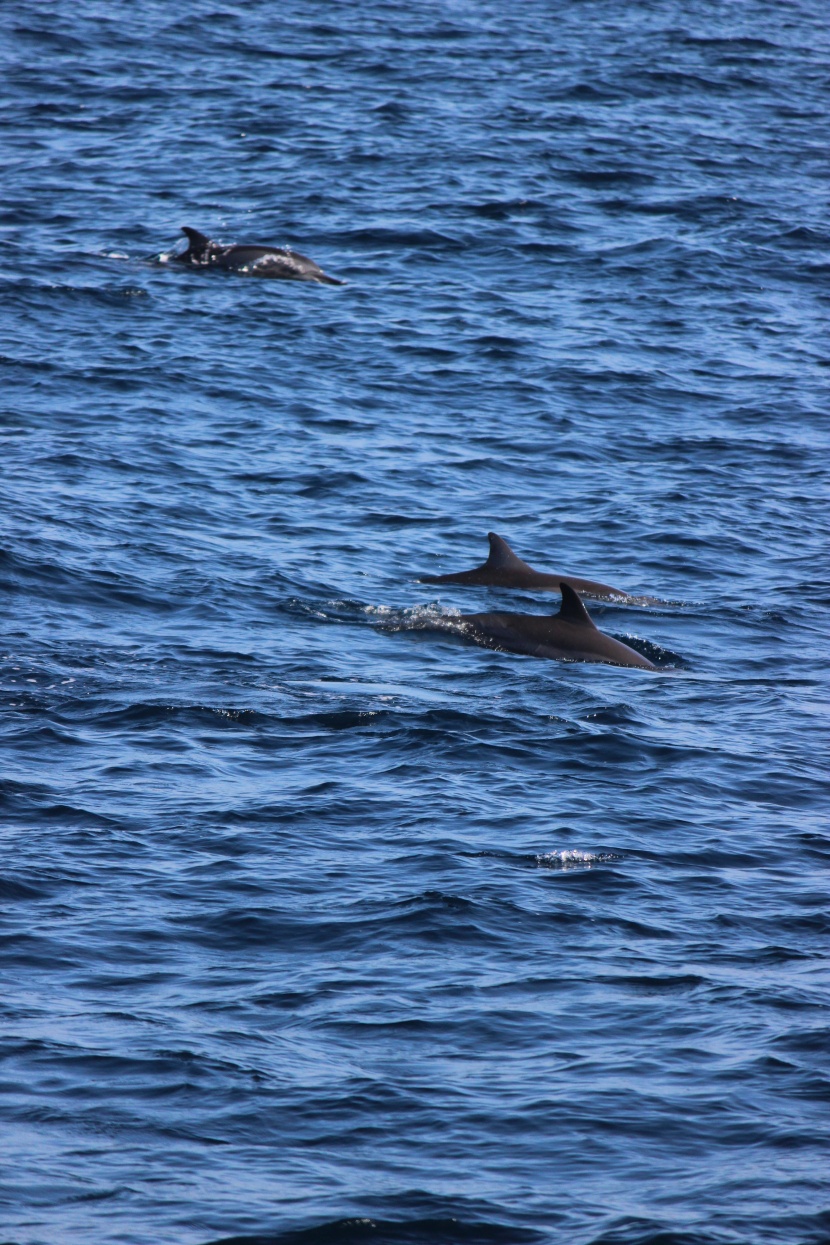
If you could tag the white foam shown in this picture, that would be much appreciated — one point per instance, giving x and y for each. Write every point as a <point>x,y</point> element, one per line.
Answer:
<point>573,858</point>
<point>413,613</point>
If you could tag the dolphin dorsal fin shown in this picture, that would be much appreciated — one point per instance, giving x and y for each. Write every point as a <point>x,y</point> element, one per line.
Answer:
<point>502,557</point>
<point>572,610</point>
<point>198,241</point>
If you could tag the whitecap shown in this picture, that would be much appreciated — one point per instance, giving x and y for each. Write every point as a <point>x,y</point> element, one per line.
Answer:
<point>573,858</point>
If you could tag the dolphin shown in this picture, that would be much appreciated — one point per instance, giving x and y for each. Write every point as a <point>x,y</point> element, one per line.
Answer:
<point>503,569</point>
<point>255,261</point>
<point>570,635</point>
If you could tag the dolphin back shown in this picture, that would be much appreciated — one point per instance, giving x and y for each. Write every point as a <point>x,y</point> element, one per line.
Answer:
<point>569,635</point>
<point>252,259</point>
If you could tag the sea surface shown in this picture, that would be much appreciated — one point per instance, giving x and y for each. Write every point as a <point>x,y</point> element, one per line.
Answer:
<point>322,924</point>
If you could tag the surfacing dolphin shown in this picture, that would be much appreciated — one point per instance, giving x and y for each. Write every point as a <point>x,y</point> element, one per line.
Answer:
<point>570,635</point>
<point>503,569</point>
<point>253,261</point>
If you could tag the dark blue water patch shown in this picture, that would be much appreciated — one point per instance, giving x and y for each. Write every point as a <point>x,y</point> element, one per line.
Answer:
<point>446,1231</point>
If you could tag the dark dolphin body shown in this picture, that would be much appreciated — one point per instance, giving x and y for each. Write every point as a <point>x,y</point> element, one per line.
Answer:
<point>569,635</point>
<point>504,570</point>
<point>254,261</point>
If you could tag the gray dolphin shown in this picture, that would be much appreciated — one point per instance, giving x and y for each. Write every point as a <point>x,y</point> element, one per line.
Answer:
<point>503,569</point>
<point>570,635</point>
<point>254,261</point>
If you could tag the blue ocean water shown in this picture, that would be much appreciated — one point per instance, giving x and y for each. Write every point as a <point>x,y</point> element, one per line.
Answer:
<point>321,924</point>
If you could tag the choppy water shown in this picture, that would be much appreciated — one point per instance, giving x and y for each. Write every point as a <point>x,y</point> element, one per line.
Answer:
<point>320,925</point>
